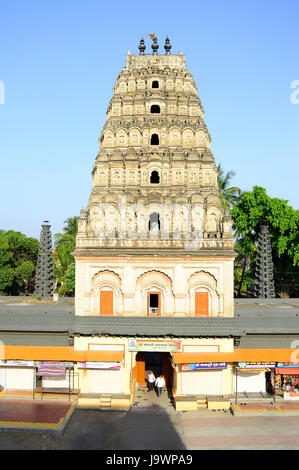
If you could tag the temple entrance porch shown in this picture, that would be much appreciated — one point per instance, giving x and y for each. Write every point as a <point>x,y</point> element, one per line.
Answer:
<point>158,362</point>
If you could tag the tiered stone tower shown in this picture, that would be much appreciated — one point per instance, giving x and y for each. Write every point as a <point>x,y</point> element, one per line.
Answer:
<point>264,283</point>
<point>44,284</point>
<point>154,224</point>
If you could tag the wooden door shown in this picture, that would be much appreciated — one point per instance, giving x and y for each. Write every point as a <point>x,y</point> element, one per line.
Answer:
<point>106,302</point>
<point>201,304</point>
<point>167,370</point>
<point>139,369</point>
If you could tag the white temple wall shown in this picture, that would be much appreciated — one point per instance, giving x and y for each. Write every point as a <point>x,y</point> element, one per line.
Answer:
<point>177,281</point>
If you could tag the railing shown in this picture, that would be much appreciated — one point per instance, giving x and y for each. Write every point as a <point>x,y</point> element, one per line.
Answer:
<point>154,310</point>
<point>151,242</point>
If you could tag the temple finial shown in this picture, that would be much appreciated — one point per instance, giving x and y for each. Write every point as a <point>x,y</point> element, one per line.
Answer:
<point>154,46</point>
<point>141,46</point>
<point>167,46</point>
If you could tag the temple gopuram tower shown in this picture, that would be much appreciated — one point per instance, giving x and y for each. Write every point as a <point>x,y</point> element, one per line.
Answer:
<point>154,239</point>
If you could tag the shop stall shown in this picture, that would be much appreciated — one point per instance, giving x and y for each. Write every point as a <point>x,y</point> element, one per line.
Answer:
<point>104,377</point>
<point>17,375</point>
<point>253,377</point>
<point>202,378</point>
<point>55,377</point>
<point>287,380</point>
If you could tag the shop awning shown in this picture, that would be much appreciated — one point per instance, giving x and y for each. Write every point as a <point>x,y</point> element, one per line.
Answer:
<point>287,370</point>
<point>239,355</point>
<point>56,353</point>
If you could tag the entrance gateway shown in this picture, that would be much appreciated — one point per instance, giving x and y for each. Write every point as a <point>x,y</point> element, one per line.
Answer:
<point>158,362</point>
<point>155,356</point>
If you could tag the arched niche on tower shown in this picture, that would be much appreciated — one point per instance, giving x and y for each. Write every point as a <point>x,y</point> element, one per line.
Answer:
<point>156,282</point>
<point>108,139</point>
<point>131,85</point>
<point>121,138</point>
<point>111,219</point>
<point>106,280</point>
<point>95,223</point>
<point>154,139</point>
<point>172,108</point>
<point>122,87</point>
<point>203,281</point>
<point>131,220</point>
<point>142,222</point>
<point>116,176</point>
<point>212,224</point>
<point>174,137</point>
<point>155,109</point>
<point>179,85</point>
<point>197,219</point>
<point>188,138</point>
<point>154,174</point>
<point>181,219</point>
<point>201,138</point>
<point>135,137</point>
<point>169,84</point>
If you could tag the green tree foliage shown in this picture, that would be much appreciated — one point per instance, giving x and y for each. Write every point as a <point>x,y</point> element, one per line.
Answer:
<point>18,256</point>
<point>63,260</point>
<point>254,207</point>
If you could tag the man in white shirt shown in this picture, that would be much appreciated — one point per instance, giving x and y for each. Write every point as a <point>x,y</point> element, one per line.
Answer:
<point>151,380</point>
<point>160,383</point>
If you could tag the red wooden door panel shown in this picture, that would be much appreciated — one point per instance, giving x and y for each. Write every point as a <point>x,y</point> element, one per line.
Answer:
<point>106,302</point>
<point>201,304</point>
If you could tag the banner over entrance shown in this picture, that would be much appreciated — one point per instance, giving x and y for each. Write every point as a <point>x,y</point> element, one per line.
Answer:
<point>154,346</point>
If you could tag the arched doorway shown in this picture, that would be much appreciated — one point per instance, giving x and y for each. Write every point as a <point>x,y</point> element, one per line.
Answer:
<point>158,362</point>
<point>154,139</point>
<point>154,222</point>
<point>155,178</point>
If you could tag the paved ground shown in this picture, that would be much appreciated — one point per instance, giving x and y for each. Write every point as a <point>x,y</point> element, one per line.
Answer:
<point>229,432</point>
<point>34,414</point>
<point>156,426</point>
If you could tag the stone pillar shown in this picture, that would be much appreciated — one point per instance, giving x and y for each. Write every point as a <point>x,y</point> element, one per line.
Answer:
<point>44,284</point>
<point>264,283</point>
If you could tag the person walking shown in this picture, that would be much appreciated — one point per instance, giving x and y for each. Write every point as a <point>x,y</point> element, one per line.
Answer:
<point>160,383</point>
<point>151,380</point>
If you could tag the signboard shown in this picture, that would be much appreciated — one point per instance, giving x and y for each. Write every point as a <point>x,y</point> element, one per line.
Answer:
<point>287,364</point>
<point>204,366</point>
<point>99,365</point>
<point>54,363</point>
<point>257,365</point>
<point>16,363</point>
<point>154,346</point>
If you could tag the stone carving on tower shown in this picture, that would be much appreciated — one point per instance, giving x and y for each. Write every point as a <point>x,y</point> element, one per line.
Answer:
<point>154,180</point>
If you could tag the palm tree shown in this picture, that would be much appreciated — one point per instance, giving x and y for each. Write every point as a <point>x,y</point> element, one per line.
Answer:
<point>70,232</point>
<point>63,259</point>
<point>229,196</point>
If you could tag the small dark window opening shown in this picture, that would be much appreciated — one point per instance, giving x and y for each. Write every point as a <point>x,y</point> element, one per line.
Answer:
<point>155,109</point>
<point>155,178</point>
<point>155,84</point>
<point>154,222</point>
<point>154,300</point>
<point>155,139</point>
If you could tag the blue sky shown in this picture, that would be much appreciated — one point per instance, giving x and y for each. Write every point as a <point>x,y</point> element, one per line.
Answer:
<point>59,61</point>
